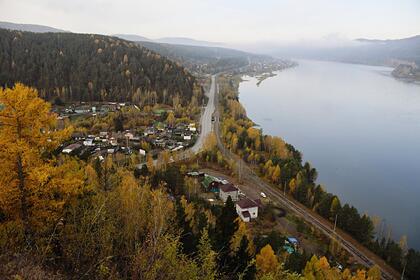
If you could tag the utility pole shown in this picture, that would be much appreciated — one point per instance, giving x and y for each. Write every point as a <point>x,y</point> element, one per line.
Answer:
<point>335,222</point>
<point>239,171</point>
<point>402,274</point>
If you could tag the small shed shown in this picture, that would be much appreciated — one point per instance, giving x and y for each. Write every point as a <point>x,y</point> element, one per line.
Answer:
<point>247,209</point>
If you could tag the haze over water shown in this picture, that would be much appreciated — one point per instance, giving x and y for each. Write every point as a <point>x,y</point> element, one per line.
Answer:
<point>358,126</point>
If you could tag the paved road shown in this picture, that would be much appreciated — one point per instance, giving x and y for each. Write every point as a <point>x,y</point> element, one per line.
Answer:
<point>249,176</point>
<point>206,126</point>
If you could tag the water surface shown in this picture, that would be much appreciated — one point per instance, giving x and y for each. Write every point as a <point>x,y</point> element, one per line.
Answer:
<point>358,126</point>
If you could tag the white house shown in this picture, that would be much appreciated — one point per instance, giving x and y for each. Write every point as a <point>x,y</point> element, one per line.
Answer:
<point>88,142</point>
<point>129,135</point>
<point>227,190</point>
<point>247,209</point>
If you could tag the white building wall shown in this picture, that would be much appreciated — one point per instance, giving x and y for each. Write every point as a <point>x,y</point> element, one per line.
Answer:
<point>224,195</point>
<point>253,211</point>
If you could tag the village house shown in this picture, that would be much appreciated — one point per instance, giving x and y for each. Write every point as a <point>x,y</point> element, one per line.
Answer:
<point>129,135</point>
<point>211,184</point>
<point>247,209</point>
<point>227,190</point>
<point>103,134</point>
<point>71,148</point>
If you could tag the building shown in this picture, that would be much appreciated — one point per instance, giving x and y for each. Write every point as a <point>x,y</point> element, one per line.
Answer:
<point>211,184</point>
<point>71,148</point>
<point>291,244</point>
<point>227,190</point>
<point>198,174</point>
<point>247,209</point>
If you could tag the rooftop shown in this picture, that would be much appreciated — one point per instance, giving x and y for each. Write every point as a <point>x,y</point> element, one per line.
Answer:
<point>247,203</point>
<point>228,188</point>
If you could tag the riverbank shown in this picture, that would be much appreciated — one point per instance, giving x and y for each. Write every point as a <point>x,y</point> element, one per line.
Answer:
<point>280,165</point>
<point>264,107</point>
<point>353,114</point>
<point>345,118</point>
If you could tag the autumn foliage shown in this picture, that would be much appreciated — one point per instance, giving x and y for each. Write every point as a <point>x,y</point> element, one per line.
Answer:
<point>34,185</point>
<point>62,218</point>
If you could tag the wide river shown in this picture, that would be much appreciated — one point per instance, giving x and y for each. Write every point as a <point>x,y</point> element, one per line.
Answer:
<point>358,126</point>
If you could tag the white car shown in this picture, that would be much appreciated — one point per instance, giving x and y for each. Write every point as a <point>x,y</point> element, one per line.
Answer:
<point>263,195</point>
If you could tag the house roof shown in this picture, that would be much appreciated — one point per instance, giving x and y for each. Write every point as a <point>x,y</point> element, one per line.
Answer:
<point>246,203</point>
<point>73,146</point>
<point>208,180</point>
<point>228,188</point>
<point>292,240</point>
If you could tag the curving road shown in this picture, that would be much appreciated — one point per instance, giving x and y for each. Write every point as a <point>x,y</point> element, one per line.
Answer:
<point>249,176</point>
<point>206,126</point>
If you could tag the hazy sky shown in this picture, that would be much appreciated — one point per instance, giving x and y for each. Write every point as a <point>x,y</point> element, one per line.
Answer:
<point>232,21</point>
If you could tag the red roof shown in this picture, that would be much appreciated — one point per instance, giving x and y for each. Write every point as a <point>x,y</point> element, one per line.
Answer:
<point>228,188</point>
<point>246,203</point>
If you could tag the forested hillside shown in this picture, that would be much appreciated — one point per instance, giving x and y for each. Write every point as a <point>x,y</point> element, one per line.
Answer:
<point>85,67</point>
<point>200,58</point>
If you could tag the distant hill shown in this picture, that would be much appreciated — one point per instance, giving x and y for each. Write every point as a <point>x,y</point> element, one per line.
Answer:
<point>169,40</point>
<point>187,42</point>
<point>201,59</point>
<point>388,52</point>
<point>197,56</point>
<point>87,67</point>
<point>364,51</point>
<point>29,27</point>
<point>132,37</point>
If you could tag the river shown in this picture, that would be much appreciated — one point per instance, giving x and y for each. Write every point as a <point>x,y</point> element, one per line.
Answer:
<point>358,126</point>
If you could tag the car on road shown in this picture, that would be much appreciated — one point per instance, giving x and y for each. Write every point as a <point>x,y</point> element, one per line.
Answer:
<point>263,195</point>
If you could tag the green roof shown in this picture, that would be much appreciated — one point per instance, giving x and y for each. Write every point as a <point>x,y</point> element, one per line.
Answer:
<point>159,111</point>
<point>207,180</point>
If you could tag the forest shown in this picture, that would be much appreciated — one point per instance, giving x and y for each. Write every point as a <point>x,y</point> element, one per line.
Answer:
<point>202,59</point>
<point>281,164</point>
<point>87,67</point>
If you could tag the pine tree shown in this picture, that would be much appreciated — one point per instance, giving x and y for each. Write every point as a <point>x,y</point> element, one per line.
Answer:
<point>243,261</point>
<point>226,225</point>
<point>206,258</point>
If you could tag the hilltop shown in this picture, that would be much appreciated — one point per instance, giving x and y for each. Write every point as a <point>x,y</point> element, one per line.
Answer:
<point>29,27</point>
<point>88,67</point>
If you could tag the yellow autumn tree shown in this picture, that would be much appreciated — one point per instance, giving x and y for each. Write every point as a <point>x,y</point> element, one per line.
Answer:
<point>242,231</point>
<point>275,176</point>
<point>150,163</point>
<point>292,185</point>
<point>206,258</point>
<point>266,260</point>
<point>210,142</point>
<point>33,185</point>
<point>171,118</point>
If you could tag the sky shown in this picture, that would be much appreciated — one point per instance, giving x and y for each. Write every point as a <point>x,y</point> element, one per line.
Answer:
<point>228,21</point>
